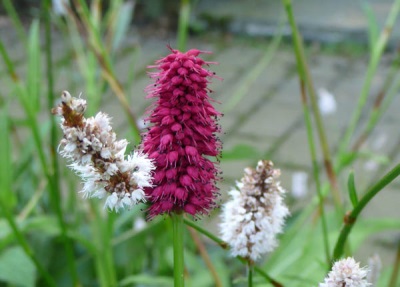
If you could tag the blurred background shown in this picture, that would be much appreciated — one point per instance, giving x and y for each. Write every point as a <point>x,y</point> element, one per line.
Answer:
<point>101,49</point>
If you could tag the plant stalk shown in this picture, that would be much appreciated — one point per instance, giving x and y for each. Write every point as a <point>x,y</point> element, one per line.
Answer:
<point>305,76</point>
<point>396,267</point>
<point>177,229</point>
<point>351,217</point>
<point>204,254</point>
<point>249,274</point>
<point>371,70</point>
<point>311,144</point>
<point>183,25</point>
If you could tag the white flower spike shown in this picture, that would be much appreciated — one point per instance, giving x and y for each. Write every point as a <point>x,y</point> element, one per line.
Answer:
<point>346,273</point>
<point>256,213</point>
<point>94,153</point>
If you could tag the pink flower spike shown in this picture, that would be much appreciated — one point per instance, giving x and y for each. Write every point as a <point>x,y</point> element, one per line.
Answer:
<point>182,137</point>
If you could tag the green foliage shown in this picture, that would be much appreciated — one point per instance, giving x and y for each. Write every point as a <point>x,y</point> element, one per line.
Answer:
<point>49,236</point>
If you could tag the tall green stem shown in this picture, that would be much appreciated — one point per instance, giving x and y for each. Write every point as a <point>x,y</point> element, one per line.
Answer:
<point>311,144</point>
<point>396,267</point>
<point>351,217</point>
<point>183,25</point>
<point>55,187</point>
<point>177,229</point>
<point>371,70</point>
<point>249,274</point>
<point>305,76</point>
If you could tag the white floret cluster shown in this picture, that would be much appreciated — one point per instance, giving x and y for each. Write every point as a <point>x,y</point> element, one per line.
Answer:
<point>255,214</point>
<point>99,158</point>
<point>346,273</point>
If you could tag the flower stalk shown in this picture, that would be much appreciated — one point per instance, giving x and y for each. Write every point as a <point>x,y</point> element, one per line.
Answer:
<point>305,76</point>
<point>351,217</point>
<point>178,244</point>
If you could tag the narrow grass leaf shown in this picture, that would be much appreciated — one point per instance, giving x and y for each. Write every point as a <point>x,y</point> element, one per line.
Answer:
<point>373,28</point>
<point>241,151</point>
<point>6,167</point>
<point>33,78</point>
<point>352,189</point>
<point>122,23</point>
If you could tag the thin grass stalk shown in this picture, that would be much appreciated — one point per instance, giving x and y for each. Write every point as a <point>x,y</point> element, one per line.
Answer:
<point>6,186</point>
<point>225,245</point>
<point>183,24</point>
<point>50,99</point>
<point>351,217</point>
<point>304,74</point>
<point>33,125</point>
<point>205,232</point>
<point>179,265</point>
<point>9,7</point>
<point>97,46</point>
<point>101,258</point>
<point>311,144</point>
<point>382,101</point>
<point>396,268</point>
<point>204,254</point>
<point>253,74</point>
<point>376,55</point>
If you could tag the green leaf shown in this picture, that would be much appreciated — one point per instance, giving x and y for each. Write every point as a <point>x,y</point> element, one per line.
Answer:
<point>373,28</point>
<point>241,151</point>
<point>6,195</point>
<point>124,19</point>
<point>46,224</point>
<point>16,268</point>
<point>33,78</point>
<point>352,189</point>
<point>148,280</point>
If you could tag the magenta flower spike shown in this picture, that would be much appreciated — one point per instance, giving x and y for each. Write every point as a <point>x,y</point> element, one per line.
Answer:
<point>182,138</point>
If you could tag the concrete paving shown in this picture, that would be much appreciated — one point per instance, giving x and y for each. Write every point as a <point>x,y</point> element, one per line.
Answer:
<point>329,21</point>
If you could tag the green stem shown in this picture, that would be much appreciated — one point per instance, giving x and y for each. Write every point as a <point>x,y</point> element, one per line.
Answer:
<point>177,229</point>
<point>183,25</point>
<point>249,274</point>
<point>55,183</point>
<point>311,144</point>
<point>224,245</point>
<point>33,125</point>
<point>381,103</point>
<point>371,70</point>
<point>17,24</point>
<point>205,232</point>
<point>350,218</point>
<point>396,267</point>
<point>204,254</point>
<point>305,76</point>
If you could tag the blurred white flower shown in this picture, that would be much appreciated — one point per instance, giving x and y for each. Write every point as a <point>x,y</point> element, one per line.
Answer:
<point>59,6</point>
<point>346,273</point>
<point>375,266</point>
<point>255,214</point>
<point>96,155</point>
<point>299,184</point>
<point>139,224</point>
<point>326,102</point>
